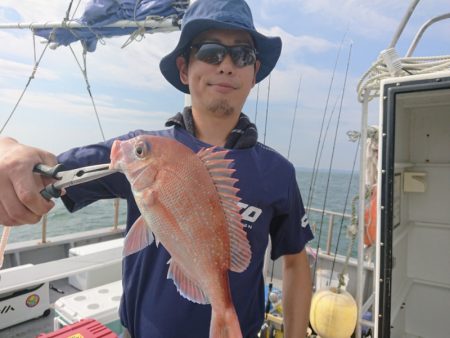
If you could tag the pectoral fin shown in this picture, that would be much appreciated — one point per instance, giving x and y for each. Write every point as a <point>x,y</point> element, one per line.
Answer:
<point>185,285</point>
<point>138,237</point>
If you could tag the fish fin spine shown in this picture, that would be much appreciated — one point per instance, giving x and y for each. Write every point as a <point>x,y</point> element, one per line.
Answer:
<point>220,171</point>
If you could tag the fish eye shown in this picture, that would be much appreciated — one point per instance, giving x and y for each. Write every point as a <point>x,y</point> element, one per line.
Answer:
<point>140,149</point>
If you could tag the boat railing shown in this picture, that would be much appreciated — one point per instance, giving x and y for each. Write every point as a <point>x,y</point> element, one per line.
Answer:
<point>331,221</point>
<point>115,225</point>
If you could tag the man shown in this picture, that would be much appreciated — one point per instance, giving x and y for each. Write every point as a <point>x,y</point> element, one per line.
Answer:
<point>218,59</point>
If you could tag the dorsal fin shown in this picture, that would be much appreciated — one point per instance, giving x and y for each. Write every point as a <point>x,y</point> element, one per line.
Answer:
<point>220,171</point>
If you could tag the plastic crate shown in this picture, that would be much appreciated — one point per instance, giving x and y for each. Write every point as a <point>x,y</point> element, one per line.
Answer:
<point>86,328</point>
<point>91,279</point>
<point>100,303</point>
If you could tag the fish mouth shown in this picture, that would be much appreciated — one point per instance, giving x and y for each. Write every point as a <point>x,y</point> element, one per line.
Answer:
<point>116,155</point>
<point>120,160</point>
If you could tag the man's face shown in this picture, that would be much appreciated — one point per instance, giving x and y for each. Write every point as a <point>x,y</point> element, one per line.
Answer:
<point>218,88</point>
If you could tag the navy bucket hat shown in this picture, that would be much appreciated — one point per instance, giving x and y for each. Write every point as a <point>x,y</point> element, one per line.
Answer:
<point>204,15</point>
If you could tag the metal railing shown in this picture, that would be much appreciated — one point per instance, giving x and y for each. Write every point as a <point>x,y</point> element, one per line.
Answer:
<point>329,221</point>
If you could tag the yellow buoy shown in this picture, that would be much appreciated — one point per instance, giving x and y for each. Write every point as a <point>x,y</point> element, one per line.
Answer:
<point>333,314</point>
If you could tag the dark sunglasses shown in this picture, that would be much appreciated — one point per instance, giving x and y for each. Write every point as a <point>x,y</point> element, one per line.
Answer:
<point>214,53</point>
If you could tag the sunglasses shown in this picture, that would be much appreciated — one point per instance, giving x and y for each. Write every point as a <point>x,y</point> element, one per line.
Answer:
<point>214,53</point>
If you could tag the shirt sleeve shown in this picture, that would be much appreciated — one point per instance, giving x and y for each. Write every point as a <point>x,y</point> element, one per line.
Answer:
<point>112,186</point>
<point>289,229</point>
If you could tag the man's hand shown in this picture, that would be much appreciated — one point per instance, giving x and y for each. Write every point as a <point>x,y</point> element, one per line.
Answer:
<point>20,200</point>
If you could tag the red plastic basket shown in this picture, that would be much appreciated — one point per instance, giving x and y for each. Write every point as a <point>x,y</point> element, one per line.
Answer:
<point>85,328</point>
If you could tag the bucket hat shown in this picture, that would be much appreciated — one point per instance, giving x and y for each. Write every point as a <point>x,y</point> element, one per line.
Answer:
<point>205,15</point>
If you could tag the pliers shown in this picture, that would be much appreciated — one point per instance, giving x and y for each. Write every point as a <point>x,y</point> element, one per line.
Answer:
<point>67,178</point>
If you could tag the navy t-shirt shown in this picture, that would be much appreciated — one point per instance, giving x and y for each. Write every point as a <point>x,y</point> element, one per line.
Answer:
<point>270,205</point>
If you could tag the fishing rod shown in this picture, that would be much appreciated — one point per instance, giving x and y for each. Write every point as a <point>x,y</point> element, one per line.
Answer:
<point>295,114</point>
<point>345,207</point>
<point>316,164</point>
<point>332,159</point>
<point>267,109</point>
<point>257,100</point>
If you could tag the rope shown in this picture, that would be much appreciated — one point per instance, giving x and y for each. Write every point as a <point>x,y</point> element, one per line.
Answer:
<point>83,70</point>
<point>331,160</point>
<point>371,79</point>
<point>3,241</point>
<point>7,230</point>
<point>31,77</point>
<point>76,9</point>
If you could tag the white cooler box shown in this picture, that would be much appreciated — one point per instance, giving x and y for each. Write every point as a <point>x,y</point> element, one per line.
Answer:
<point>100,303</point>
<point>21,305</point>
<point>93,278</point>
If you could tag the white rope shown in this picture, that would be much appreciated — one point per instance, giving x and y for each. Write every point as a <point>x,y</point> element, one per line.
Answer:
<point>407,66</point>
<point>372,155</point>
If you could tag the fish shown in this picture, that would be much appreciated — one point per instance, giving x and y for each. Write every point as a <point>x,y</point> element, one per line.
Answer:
<point>188,203</point>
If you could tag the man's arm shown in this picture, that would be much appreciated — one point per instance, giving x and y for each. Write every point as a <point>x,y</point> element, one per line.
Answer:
<point>20,200</point>
<point>297,292</point>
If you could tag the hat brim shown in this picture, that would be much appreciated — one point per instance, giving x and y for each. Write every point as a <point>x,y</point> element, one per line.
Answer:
<point>269,50</point>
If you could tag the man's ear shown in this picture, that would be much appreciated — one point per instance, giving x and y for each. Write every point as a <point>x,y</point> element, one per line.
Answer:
<point>183,69</point>
<point>257,65</point>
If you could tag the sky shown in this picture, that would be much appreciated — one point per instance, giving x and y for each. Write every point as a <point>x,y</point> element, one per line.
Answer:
<point>130,93</point>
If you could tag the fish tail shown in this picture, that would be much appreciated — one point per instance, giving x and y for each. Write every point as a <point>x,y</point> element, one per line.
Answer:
<point>225,324</point>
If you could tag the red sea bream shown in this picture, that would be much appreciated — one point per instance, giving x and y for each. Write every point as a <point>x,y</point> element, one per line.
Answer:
<point>188,203</point>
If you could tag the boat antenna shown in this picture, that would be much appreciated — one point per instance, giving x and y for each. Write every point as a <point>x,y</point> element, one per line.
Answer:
<point>295,114</point>
<point>316,164</point>
<point>331,161</point>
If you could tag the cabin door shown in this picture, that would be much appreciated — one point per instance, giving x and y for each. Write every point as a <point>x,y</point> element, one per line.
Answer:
<point>414,228</point>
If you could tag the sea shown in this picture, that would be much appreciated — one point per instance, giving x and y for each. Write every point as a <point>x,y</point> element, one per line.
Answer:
<point>330,192</point>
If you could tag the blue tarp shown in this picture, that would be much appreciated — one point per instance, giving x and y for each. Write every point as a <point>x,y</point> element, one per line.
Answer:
<point>99,13</point>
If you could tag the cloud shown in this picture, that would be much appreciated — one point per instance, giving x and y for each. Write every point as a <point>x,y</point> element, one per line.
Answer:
<point>137,65</point>
<point>76,105</point>
<point>10,70</point>
<point>303,43</point>
<point>366,18</point>
<point>30,11</point>
<point>44,117</point>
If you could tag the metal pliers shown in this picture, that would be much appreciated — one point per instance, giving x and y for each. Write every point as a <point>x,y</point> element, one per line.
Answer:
<point>67,178</point>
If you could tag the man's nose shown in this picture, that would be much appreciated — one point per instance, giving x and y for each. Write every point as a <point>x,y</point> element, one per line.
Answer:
<point>227,65</point>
